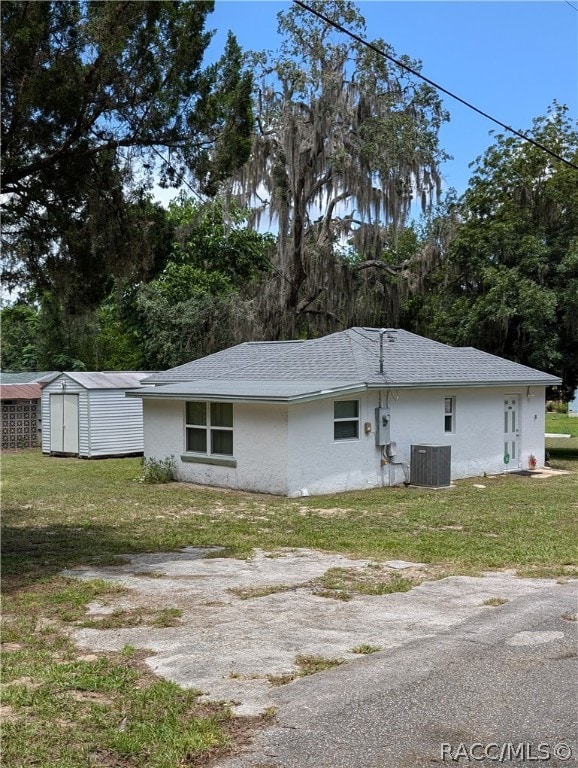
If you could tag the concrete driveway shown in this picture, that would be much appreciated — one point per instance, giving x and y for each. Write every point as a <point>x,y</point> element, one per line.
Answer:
<point>245,623</point>
<point>496,689</point>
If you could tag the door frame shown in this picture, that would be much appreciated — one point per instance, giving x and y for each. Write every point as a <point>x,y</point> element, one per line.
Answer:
<point>69,405</point>
<point>512,436</point>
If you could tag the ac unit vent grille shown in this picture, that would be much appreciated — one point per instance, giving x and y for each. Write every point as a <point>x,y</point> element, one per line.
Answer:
<point>430,465</point>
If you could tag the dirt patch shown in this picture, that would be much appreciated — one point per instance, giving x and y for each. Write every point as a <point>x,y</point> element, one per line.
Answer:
<point>8,715</point>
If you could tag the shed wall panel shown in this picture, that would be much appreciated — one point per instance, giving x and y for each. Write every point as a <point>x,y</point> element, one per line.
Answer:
<point>116,424</point>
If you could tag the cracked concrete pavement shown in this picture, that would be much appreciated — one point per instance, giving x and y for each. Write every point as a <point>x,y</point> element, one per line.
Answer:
<point>229,648</point>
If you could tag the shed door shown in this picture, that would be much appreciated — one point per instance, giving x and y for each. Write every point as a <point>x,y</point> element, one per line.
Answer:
<point>512,431</point>
<point>64,424</point>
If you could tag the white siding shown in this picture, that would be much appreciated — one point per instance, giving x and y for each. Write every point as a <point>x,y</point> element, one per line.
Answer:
<point>116,423</point>
<point>109,423</point>
<point>259,446</point>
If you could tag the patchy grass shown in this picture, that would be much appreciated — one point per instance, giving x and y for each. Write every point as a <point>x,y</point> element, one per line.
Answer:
<point>364,581</point>
<point>495,601</point>
<point>248,593</point>
<point>306,665</point>
<point>65,708</point>
<point>119,619</point>
<point>366,649</point>
<point>68,708</point>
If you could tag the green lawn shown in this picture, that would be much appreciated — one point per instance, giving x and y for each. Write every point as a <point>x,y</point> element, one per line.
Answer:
<point>564,447</point>
<point>562,423</point>
<point>64,710</point>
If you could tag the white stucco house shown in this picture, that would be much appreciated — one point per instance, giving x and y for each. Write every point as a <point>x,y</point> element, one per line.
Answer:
<point>358,409</point>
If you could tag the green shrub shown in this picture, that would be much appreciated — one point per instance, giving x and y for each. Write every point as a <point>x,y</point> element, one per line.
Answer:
<point>159,470</point>
<point>556,406</point>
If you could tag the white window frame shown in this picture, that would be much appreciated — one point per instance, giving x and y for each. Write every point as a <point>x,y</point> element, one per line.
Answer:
<point>208,428</point>
<point>339,420</point>
<point>451,415</point>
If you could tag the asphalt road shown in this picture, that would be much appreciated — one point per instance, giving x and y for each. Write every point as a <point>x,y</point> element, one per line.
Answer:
<point>498,689</point>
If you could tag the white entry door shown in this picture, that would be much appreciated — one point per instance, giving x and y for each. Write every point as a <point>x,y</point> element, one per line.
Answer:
<point>511,432</point>
<point>64,424</point>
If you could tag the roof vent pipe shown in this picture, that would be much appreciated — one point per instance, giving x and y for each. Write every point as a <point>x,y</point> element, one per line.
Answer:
<point>381,334</point>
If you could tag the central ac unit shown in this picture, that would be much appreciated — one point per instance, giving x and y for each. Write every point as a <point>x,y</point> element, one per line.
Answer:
<point>430,465</point>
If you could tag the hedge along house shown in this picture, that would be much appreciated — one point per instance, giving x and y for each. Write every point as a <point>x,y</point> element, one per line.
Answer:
<point>351,410</point>
<point>88,415</point>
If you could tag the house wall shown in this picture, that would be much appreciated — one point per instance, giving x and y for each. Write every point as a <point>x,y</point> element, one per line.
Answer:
<point>318,464</point>
<point>109,423</point>
<point>477,442</point>
<point>259,445</point>
<point>291,450</point>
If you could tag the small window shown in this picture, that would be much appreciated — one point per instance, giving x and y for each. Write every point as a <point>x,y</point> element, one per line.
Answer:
<point>449,414</point>
<point>209,428</point>
<point>346,420</point>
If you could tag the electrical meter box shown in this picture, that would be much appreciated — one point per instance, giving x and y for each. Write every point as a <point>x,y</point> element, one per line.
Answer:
<point>382,419</point>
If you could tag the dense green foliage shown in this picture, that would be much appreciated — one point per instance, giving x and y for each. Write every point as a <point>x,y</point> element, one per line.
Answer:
<point>194,306</point>
<point>506,279</point>
<point>93,96</point>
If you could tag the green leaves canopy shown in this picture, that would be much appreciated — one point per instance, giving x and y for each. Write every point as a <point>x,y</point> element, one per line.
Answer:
<point>508,282</point>
<point>93,94</point>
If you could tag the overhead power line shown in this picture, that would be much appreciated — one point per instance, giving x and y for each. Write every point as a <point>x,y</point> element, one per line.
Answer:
<point>414,72</point>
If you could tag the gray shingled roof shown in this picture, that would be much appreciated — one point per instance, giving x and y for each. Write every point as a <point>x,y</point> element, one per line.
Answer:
<point>252,390</point>
<point>27,377</point>
<point>353,357</point>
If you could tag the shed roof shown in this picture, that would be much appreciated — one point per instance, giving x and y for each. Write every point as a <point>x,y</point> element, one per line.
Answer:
<point>20,391</point>
<point>107,380</point>
<point>350,357</point>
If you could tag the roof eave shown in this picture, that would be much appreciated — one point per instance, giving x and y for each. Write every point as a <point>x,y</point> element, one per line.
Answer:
<point>255,399</point>
<point>550,382</point>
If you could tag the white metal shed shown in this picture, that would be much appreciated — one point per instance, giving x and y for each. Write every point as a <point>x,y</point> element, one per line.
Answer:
<point>88,415</point>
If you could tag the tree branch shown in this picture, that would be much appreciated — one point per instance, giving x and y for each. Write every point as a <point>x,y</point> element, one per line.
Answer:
<point>393,269</point>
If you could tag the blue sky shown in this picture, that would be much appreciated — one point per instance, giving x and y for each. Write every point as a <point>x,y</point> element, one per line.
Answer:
<point>511,59</point>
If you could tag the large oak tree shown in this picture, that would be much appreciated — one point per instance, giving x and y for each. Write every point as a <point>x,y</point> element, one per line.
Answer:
<point>346,142</point>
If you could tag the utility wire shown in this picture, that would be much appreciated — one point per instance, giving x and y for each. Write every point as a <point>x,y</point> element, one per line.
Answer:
<point>385,55</point>
<point>571,6</point>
